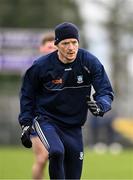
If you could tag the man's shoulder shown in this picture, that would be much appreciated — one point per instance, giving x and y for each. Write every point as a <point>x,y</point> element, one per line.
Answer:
<point>41,63</point>
<point>87,56</point>
<point>44,59</point>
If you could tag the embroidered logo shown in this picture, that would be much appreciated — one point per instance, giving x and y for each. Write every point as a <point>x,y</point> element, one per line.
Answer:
<point>80,79</point>
<point>81,155</point>
<point>57,81</point>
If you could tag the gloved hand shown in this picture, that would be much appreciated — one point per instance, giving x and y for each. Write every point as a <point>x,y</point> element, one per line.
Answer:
<point>94,108</point>
<point>25,137</point>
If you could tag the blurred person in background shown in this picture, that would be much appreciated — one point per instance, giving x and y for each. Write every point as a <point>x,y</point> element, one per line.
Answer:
<point>101,132</point>
<point>40,152</point>
<point>103,135</point>
<point>47,44</point>
<point>55,97</point>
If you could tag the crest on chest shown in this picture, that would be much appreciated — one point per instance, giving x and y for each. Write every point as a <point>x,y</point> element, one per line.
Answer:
<point>80,79</point>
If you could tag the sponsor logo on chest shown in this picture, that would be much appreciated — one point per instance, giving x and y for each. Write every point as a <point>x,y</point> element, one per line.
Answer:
<point>57,81</point>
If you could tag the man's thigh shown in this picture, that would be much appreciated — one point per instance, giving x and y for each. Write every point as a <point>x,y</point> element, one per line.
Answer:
<point>38,147</point>
<point>48,136</point>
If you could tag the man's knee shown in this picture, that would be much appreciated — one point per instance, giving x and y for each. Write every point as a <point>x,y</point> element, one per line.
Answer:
<point>57,153</point>
<point>42,159</point>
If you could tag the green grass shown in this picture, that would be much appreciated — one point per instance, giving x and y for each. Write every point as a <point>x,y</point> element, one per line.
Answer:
<point>108,166</point>
<point>16,163</point>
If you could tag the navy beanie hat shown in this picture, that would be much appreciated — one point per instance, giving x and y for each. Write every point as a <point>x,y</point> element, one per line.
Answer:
<point>65,31</point>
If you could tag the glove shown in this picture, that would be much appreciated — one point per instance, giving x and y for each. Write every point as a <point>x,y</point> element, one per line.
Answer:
<point>25,137</point>
<point>94,108</point>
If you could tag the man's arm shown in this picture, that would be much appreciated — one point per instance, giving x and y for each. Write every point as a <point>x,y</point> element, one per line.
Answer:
<point>27,104</point>
<point>28,96</point>
<point>104,94</point>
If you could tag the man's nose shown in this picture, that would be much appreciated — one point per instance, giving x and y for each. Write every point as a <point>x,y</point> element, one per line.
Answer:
<point>71,46</point>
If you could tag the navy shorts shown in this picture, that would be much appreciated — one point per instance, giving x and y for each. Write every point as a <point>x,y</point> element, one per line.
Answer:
<point>65,147</point>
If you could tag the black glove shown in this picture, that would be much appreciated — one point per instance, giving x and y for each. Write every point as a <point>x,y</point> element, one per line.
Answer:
<point>94,108</point>
<point>25,137</point>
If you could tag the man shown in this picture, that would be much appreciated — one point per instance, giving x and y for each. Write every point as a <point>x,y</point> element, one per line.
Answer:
<point>55,96</point>
<point>40,152</point>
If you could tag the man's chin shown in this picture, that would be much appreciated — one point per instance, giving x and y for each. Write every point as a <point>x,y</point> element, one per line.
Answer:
<point>72,58</point>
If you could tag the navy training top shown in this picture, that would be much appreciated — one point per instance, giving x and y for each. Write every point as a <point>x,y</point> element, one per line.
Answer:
<point>58,91</point>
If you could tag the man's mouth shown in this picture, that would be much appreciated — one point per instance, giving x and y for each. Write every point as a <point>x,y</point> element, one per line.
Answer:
<point>71,53</point>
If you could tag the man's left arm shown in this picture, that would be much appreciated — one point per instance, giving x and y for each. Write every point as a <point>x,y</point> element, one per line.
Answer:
<point>103,95</point>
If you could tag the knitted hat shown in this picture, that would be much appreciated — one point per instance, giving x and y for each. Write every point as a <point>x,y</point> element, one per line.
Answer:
<point>65,31</point>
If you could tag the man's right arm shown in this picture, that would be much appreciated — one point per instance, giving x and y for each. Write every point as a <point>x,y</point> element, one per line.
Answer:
<point>27,104</point>
<point>28,96</point>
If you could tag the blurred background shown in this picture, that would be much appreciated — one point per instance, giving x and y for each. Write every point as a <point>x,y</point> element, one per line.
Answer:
<point>106,29</point>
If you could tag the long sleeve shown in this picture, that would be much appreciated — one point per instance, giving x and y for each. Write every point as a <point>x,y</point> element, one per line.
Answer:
<point>28,92</point>
<point>103,90</point>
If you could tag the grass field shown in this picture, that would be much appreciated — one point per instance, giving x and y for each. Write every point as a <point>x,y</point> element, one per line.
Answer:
<point>15,163</point>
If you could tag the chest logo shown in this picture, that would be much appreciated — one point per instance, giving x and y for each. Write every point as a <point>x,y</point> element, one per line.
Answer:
<point>57,81</point>
<point>80,79</point>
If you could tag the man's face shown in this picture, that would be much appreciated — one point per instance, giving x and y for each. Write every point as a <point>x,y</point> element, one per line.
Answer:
<point>67,50</point>
<point>48,47</point>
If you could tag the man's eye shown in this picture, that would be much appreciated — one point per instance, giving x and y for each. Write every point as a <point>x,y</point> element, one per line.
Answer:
<point>65,43</point>
<point>75,42</point>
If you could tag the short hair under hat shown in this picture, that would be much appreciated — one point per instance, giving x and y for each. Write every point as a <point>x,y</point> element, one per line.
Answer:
<point>66,30</point>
